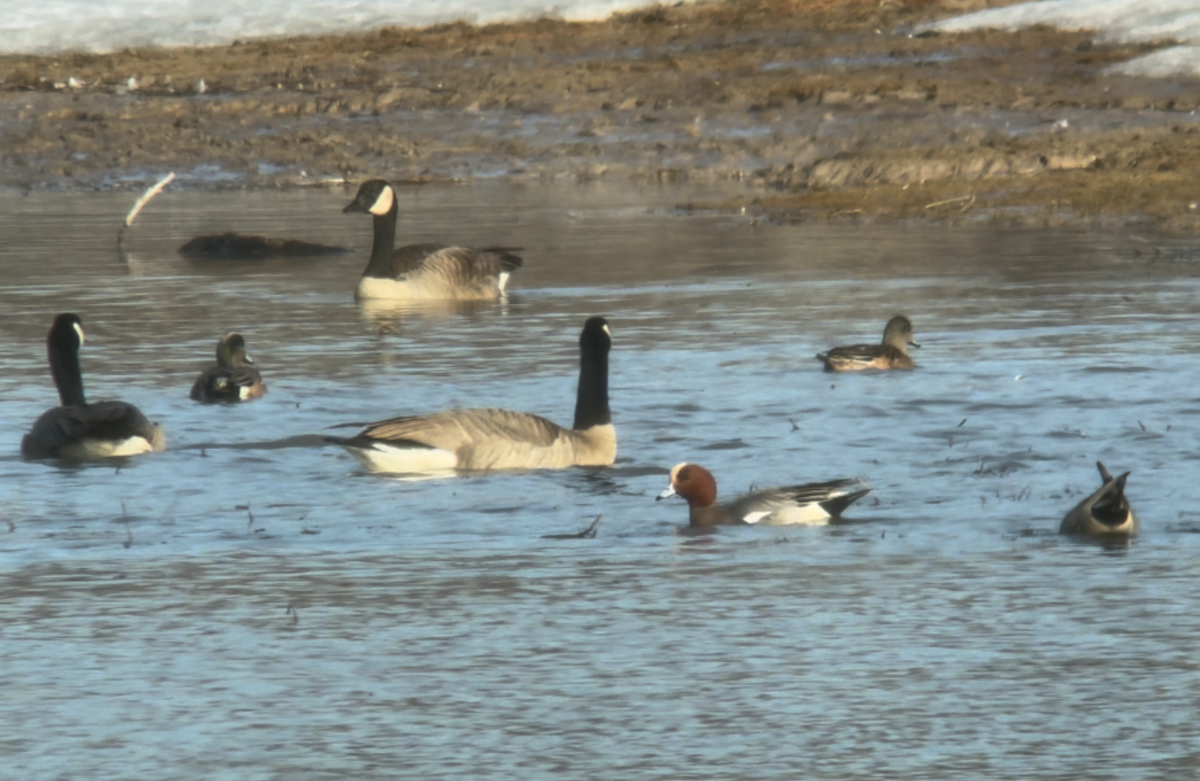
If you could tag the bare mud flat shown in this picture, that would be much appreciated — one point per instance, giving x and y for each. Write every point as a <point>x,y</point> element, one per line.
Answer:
<point>827,109</point>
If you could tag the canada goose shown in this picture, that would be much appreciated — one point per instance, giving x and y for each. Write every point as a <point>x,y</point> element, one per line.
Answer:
<point>234,378</point>
<point>423,271</point>
<point>78,429</point>
<point>812,503</point>
<point>478,439</point>
<point>891,353</point>
<point>1106,511</point>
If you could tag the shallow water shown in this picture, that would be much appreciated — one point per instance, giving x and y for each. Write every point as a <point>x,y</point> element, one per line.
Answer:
<point>250,605</point>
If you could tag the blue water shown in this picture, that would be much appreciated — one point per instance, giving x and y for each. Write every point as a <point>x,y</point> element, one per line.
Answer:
<point>250,605</point>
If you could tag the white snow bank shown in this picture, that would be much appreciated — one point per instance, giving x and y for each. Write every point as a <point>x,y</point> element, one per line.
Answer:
<point>1124,21</point>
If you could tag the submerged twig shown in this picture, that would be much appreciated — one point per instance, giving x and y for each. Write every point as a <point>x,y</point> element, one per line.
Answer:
<point>586,534</point>
<point>128,531</point>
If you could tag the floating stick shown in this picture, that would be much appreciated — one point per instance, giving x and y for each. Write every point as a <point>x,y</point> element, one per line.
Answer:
<point>141,203</point>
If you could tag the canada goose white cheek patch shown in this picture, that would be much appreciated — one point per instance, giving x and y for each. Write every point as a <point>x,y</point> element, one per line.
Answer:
<point>383,204</point>
<point>79,330</point>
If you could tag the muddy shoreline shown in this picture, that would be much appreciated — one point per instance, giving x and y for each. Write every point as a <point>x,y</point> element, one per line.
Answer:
<point>825,109</point>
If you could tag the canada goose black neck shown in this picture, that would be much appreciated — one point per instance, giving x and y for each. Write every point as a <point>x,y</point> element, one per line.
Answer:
<point>62,345</point>
<point>591,403</point>
<point>380,264</point>
<point>378,199</point>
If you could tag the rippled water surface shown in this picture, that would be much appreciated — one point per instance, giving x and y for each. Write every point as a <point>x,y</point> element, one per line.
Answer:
<point>250,605</point>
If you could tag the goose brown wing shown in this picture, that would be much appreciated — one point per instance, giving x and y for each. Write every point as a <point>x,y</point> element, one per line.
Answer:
<point>505,256</point>
<point>458,266</point>
<point>455,429</point>
<point>411,257</point>
<point>105,420</point>
<point>116,420</point>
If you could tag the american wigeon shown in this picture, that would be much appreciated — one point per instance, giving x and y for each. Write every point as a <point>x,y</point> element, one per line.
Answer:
<point>233,379</point>
<point>812,503</point>
<point>891,353</point>
<point>78,429</point>
<point>478,439</point>
<point>425,271</point>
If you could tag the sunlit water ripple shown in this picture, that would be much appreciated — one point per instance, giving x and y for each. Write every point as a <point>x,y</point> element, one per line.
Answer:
<point>249,605</point>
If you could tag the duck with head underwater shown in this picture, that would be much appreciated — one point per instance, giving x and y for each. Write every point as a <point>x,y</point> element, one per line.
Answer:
<point>1105,512</point>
